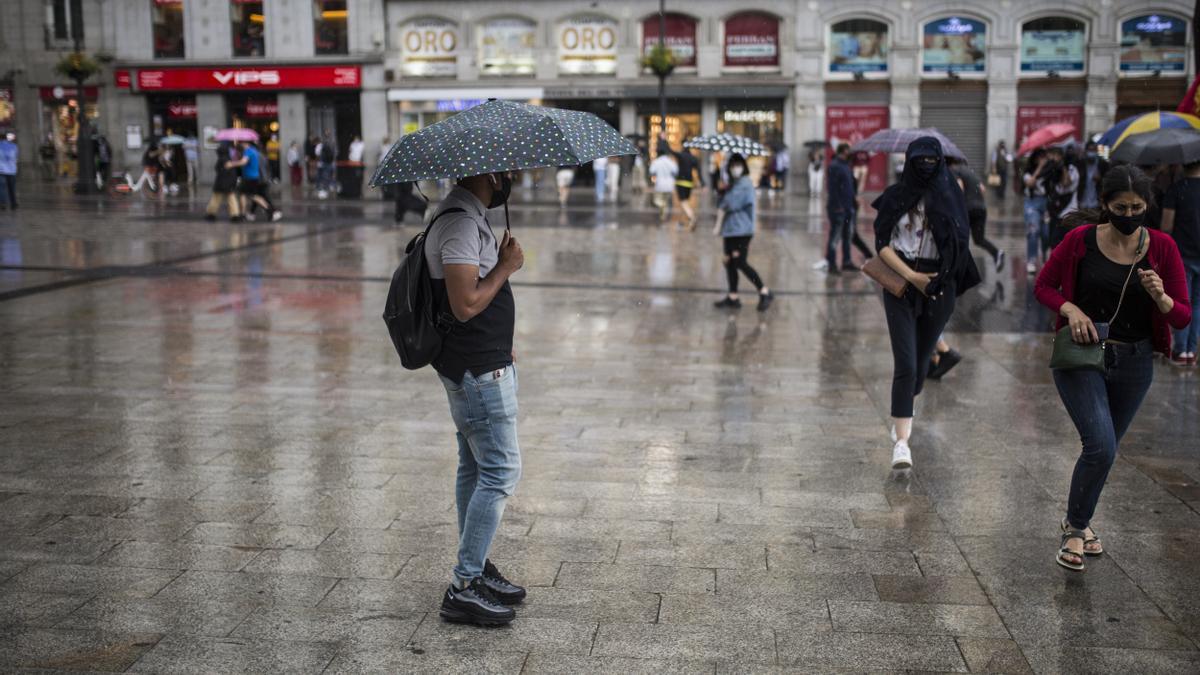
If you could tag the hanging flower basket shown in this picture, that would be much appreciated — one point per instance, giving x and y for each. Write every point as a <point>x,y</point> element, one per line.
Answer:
<point>660,60</point>
<point>77,66</point>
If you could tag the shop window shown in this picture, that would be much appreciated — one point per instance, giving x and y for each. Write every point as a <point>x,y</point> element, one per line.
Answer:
<point>506,47</point>
<point>247,24</point>
<point>1055,44</point>
<point>168,28</point>
<point>858,46</point>
<point>62,18</point>
<point>954,45</point>
<point>678,33</point>
<point>1154,43</point>
<point>751,40</point>
<point>329,27</point>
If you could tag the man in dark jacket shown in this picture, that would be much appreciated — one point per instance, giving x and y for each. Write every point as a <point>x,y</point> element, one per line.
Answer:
<point>840,207</point>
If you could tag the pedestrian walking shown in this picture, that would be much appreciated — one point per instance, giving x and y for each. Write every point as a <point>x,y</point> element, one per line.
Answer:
<point>407,201</point>
<point>685,181</point>
<point>1181,220</point>
<point>1033,189</point>
<point>816,171</point>
<point>782,164</point>
<point>224,188</point>
<point>976,210</point>
<point>357,150</point>
<point>563,179</point>
<point>1092,169</point>
<point>1061,176</point>
<point>664,170</point>
<point>150,170</point>
<point>273,155</point>
<point>470,271</point>
<point>295,163</point>
<point>841,207</point>
<point>921,232</point>
<point>254,188</point>
<point>327,153</point>
<point>735,225</point>
<point>599,171</point>
<point>191,154</point>
<point>613,176</point>
<point>102,151</point>
<point>48,153</point>
<point>998,168</point>
<point>9,156</point>
<point>310,158</point>
<point>1116,282</point>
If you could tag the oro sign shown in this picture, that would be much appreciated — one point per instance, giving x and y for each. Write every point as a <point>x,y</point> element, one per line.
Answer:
<point>587,45</point>
<point>429,48</point>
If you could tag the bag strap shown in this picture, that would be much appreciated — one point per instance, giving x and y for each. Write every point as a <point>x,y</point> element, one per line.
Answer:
<point>439,214</point>
<point>1136,256</point>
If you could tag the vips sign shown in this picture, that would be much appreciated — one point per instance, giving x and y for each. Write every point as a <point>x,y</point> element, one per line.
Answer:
<point>587,45</point>
<point>429,48</point>
<point>236,79</point>
<point>752,40</point>
<point>853,123</point>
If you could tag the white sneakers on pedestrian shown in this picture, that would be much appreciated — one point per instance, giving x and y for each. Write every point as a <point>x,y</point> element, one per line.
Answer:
<point>901,455</point>
<point>1031,268</point>
<point>322,194</point>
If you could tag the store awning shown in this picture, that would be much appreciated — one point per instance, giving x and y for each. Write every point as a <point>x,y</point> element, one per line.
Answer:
<point>464,93</point>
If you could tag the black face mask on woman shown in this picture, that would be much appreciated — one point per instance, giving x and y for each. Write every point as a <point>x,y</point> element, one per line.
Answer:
<point>500,194</point>
<point>1127,225</point>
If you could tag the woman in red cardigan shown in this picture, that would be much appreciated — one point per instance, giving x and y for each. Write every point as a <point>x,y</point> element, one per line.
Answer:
<point>1087,281</point>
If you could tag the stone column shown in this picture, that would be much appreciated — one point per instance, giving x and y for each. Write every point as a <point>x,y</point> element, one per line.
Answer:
<point>1002,101</point>
<point>628,116</point>
<point>206,29</point>
<point>708,115</point>
<point>905,108</point>
<point>210,111</point>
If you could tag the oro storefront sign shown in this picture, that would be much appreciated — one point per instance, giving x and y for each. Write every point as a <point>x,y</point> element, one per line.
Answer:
<point>429,48</point>
<point>587,45</point>
<point>679,35</point>
<point>506,47</point>
<point>751,41</point>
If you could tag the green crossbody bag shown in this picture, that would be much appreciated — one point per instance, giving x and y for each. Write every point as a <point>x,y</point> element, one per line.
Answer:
<point>1069,354</point>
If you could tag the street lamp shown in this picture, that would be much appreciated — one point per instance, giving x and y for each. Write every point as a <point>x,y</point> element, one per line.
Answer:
<point>79,67</point>
<point>661,61</point>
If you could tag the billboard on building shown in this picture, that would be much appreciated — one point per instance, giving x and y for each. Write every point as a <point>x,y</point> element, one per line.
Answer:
<point>858,46</point>
<point>1053,50</point>
<point>679,35</point>
<point>1030,118</point>
<point>1154,42</point>
<point>429,48</point>
<point>954,44</point>
<point>587,45</point>
<point>506,47</point>
<point>853,123</point>
<point>751,40</point>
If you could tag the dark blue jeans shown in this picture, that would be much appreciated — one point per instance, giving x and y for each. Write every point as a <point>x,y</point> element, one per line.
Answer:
<point>1102,406</point>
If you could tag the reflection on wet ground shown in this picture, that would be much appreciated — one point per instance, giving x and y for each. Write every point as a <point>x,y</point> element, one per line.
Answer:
<point>210,459</point>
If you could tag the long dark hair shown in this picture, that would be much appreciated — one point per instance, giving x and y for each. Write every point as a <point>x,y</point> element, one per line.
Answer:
<point>1120,178</point>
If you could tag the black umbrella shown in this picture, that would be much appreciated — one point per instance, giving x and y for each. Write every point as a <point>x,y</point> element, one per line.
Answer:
<point>1161,146</point>
<point>500,136</point>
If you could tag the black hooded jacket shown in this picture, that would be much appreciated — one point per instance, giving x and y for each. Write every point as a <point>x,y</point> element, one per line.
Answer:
<point>945,208</point>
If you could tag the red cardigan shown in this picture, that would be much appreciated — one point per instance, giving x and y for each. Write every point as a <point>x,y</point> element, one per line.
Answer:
<point>1055,284</point>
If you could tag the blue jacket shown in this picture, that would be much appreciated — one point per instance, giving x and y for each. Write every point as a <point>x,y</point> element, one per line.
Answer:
<point>8,158</point>
<point>738,204</point>
<point>842,187</point>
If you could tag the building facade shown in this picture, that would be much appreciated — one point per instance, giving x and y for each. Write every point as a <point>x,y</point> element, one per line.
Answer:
<point>781,71</point>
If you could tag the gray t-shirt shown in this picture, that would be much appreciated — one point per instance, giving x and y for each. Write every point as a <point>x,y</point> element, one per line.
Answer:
<point>461,238</point>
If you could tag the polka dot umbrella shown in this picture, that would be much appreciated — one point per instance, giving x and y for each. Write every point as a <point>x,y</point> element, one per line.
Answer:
<point>500,136</point>
<point>727,143</point>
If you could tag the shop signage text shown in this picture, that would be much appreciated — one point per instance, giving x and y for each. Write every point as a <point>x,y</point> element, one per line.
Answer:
<point>1154,43</point>
<point>587,46</point>
<point>750,116</point>
<point>267,109</point>
<point>59,93</point>
<point>122,79</point>
<point>430,48</point>
<point>752,40</point>
<point>181,110</point>
<point>234,79</point>
<point>679,36</point>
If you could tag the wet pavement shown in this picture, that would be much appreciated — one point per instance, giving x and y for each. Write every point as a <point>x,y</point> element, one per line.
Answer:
<point>211,460</point>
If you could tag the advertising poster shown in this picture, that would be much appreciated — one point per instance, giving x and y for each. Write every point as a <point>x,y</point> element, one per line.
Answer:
<point>429,48</point>
<point>1154,42</point>
<point>1030,118</point>
<point>679,36</point>
<point>587,45</point>
<point>858,46</point>
<point>954,45</point>
<point>506,47</point>
<point>851,124</point>
<point>1057,50</point>
<point>752,40</point>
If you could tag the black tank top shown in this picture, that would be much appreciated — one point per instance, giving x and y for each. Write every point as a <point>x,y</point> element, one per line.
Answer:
<point>1098,288</point>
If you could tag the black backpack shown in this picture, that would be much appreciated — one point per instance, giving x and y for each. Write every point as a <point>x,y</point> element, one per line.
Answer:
<point>411,316</point>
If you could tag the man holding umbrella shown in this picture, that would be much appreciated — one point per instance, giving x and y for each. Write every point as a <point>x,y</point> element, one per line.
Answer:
<point>469,268</point>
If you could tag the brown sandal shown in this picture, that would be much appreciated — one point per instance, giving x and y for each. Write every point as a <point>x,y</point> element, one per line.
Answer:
<point>1063,551</point>
<point>1097,547</point>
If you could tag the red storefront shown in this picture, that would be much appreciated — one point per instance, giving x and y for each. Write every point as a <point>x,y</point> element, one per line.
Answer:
<point>1030,118</point>
<point>851,124</point>
<point>750,40</point>
<point>679,35</point>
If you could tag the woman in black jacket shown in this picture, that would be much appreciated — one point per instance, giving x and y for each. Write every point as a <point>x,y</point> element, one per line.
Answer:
<point>921,232</point>
<point>224,186</point>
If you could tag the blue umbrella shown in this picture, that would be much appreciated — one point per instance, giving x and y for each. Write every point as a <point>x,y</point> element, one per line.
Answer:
<point>500,136</point>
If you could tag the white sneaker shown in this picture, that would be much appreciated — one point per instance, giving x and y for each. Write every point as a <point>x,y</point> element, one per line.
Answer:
<point>821,265</point>
<point>1031,268</point>
<point>893,434</point>
<point>278,215</point>
<point>901,455</point>
<point>321,194</point>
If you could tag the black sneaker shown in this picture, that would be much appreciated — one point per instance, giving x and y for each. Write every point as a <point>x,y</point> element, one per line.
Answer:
<point>1000,258</point>
<point>505,591</point>
<point>476,605</point>
<point>209,217</point>
<point>728,303</point>
<point>945,363</point>
<point>765,300</point>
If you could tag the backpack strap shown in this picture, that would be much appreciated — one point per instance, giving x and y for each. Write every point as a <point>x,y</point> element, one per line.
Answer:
<point>439,214</point>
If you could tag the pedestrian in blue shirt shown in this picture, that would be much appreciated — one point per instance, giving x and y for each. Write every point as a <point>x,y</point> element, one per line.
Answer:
<point>8,170</point>
<point>254,189</point>
<point>736,227</point>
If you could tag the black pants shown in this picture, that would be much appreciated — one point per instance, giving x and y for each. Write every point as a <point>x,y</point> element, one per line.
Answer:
<point>259,188</point>
<point>10,182</point>
<point>915,323</point>
<point>978,220</point>
<point>736,251</point>
<point>842,228</point>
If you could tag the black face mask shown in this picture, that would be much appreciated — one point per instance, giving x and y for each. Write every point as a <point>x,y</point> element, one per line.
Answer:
<point>500,195</point>
<point>925,170</point>
<point>1127,225</point>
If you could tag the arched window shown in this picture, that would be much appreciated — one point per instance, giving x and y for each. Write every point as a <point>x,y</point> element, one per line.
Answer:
<point>858,46</point>
<point>751,40</point>
<point>679,35</point>
<point>954,44</point>
<point>1053,44</point>
<point>429,47</point>
<point>587,45</point>
<point>506,46</point>
<point>1154,43</point>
